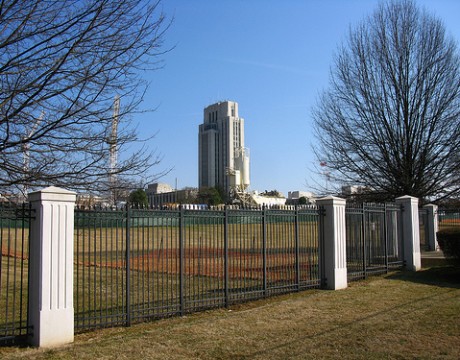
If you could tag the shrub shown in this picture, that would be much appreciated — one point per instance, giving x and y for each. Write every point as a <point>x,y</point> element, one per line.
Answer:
<point>449,242</point>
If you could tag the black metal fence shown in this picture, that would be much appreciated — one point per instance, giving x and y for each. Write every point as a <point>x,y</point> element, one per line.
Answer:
<point>374,239</point>
<point>423,228</point>
<point>14,284</point>
<point>135,264</point>
<point>448,217</point>
<point>131,265</point>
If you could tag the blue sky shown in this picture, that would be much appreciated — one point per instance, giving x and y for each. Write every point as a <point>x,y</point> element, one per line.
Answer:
<point>273,58</point>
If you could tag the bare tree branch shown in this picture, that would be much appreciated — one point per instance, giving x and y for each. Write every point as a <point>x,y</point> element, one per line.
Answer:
<point>62,63</point>
<point>390,119</point>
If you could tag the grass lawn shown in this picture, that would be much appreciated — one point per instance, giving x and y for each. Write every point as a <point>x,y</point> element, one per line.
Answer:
<point>402,315</point>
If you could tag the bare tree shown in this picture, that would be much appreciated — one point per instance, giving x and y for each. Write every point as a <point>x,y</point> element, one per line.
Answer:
<point>62,64</point>
<point>390,119</point>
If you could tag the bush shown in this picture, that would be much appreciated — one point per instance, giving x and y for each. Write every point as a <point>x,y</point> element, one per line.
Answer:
<point>449,242</point>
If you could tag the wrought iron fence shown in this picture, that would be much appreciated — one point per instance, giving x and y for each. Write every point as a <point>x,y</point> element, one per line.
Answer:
<point>374,239</point>
<point>448,218</point>
<point>423,228</point>
<point>135,264</point>
<point>14,284</point>
<point>131,265</point>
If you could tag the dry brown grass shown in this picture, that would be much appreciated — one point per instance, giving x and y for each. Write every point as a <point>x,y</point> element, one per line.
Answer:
<point>400,316</point>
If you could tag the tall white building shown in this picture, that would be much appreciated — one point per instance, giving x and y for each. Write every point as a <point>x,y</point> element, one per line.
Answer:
<point>222,159</point>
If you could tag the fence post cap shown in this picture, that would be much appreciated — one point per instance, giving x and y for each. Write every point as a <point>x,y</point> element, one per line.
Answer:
<point>430,206</point>
<point>53,193</point>
<point>406,197</point>
<point>331,200</point>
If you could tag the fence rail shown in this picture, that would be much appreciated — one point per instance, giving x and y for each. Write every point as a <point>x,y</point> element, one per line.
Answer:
<point>134,264</point>
<point>14,244</point>
<point>374,239</point>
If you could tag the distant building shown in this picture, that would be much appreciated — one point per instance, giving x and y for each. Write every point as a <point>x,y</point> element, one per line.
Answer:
<point>159,188</point>
<point>267,198</point>
<point>294,197</point>
<point>7,197</point>
<point>85,200</point>
<point>13,198</point>
<point>223,162</point>
<point>160,194</point>
<point>348,190</point>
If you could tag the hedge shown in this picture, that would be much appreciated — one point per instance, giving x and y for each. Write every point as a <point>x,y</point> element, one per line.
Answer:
<point>449,242</point>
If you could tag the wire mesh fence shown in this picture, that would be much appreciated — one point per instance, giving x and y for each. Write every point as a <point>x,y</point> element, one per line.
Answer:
<point>137,264</point>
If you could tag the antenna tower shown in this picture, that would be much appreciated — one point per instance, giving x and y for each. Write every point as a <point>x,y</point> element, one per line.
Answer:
<point>26,152</point>
<point>113,139</point>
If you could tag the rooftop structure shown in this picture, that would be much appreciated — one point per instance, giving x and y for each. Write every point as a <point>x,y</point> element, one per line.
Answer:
<point>160,194</point>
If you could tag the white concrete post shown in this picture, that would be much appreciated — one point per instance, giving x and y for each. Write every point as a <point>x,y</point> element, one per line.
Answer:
<point>51,311</point>
<point>411,232</point>
<point>335,256</point>
<point>432,227</point>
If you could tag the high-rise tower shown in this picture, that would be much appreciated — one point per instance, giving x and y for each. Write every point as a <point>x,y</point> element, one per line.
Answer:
<point>222,158</point>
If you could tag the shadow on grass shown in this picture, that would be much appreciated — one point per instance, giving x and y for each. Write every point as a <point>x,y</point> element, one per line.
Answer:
<point>399,311</point>
<point>447,276</point>
<point>444,276</point>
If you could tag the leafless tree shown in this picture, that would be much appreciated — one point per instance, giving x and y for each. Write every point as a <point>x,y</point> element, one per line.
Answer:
<point>390,119</point>
<point>62,64</point>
